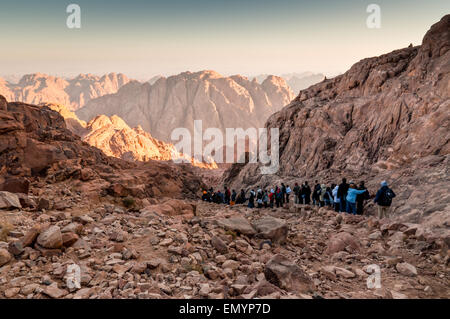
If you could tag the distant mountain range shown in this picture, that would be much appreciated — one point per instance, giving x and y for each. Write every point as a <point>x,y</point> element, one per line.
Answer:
<point>74,93</point>
<point>296,81</point>
<point>176,101</point>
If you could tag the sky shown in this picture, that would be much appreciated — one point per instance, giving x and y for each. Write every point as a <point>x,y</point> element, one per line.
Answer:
<point>146,38</point>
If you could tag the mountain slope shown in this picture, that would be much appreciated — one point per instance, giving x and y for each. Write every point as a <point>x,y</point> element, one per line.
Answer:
<point>388,117</point>
<point>35,145</point>
<point>176,101</point>
<point>115,138</point>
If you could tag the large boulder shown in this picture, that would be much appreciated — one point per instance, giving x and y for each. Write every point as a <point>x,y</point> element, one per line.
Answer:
<point>342,241</point>
<point>272,228</point>
<point>283,273</point>
<point>51,238</point>
<point>9,201</point>
<point>237,224</point>
<point>15,185</point>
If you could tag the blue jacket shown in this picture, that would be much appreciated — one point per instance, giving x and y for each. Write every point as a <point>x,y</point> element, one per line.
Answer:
<point>351,194</point>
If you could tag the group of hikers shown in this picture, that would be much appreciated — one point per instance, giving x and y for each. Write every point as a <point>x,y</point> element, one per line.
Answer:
<point>345,197</point>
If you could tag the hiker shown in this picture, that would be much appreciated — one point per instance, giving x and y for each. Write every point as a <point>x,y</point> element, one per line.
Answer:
<point>342,194</point>
<point>306,193</point>
<point>336,201</point>
<point>205,196</point>
<point>351,198</point>
<point>288,192</point>
<point>265,199</point>
<point>233,197</point>
<point>316,194</point>
<point>384,198</point>
<point>297,194</point>
<point>241,198</point>
<point>322,193</point>
<point>361,198</point>
<point>259,198</point>
<point>328,197</point>
<point>251,199</point>
<point>278,197</point>
<point>283,194</point>
<point>271,197</point>
<point>227,196</point>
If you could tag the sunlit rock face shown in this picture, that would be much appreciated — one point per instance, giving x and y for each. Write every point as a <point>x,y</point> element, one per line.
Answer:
<point>176,101</point>
<point>115,138</point>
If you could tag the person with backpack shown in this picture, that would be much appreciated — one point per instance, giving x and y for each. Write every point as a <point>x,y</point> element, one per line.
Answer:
<point>328,197</point>
<point>316,194</point>
<point>271,197</point>
<point>278,197</point>
<point>361,198</point>
<point>342,194</point>
<point>296,194</point>
<point>322,194</point>
<point>241,198</point>
<point>265,199</point>
<point>351,198</point>
<point>259,198</point>
<point>384,198</point>
<point>227,196</point>
<point>251,199</point>
<point>288,193</point>
<point>306,193</point>
<point>233,197</point>
<point>283,193</point>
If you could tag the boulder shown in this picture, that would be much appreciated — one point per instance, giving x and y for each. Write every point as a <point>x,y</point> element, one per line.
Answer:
<point>69,239</point>
<point>406,269</point>
<point>9,201</point>
<point>237,224</point>
<point>51,238</point>
<point>342,241</point>
<point>15,185</point>
<point>43,203</point>
<point>272,228</point>
<point>283,273</point>
<point>219,245</point>
<point>30,236</point>
<point>5,257</point>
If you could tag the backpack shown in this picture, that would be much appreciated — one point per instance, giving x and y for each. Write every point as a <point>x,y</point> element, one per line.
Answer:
<point>386,197</point>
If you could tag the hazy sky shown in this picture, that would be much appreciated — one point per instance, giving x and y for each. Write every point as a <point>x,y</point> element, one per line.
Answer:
<point>143,38</point>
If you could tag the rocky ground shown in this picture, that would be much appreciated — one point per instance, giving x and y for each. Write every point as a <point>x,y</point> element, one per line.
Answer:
<point>190,249</point>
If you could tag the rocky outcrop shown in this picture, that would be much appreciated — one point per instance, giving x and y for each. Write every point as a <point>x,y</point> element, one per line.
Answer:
<point>9,201</point>
<point>386,118</point>
<point>36,144</point>
<point>74,93</point>
<point>115,138</point>
<point>176,101</point>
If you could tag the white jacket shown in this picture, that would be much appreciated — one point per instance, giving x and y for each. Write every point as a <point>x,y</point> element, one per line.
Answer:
<point>334,193</point>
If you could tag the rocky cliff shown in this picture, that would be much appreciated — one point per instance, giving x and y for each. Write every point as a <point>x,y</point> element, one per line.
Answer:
<point>74,93</point>
<point>177,101</point>
<point>115,138</point>
<point>387,117</point>
<point>36,146</point>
